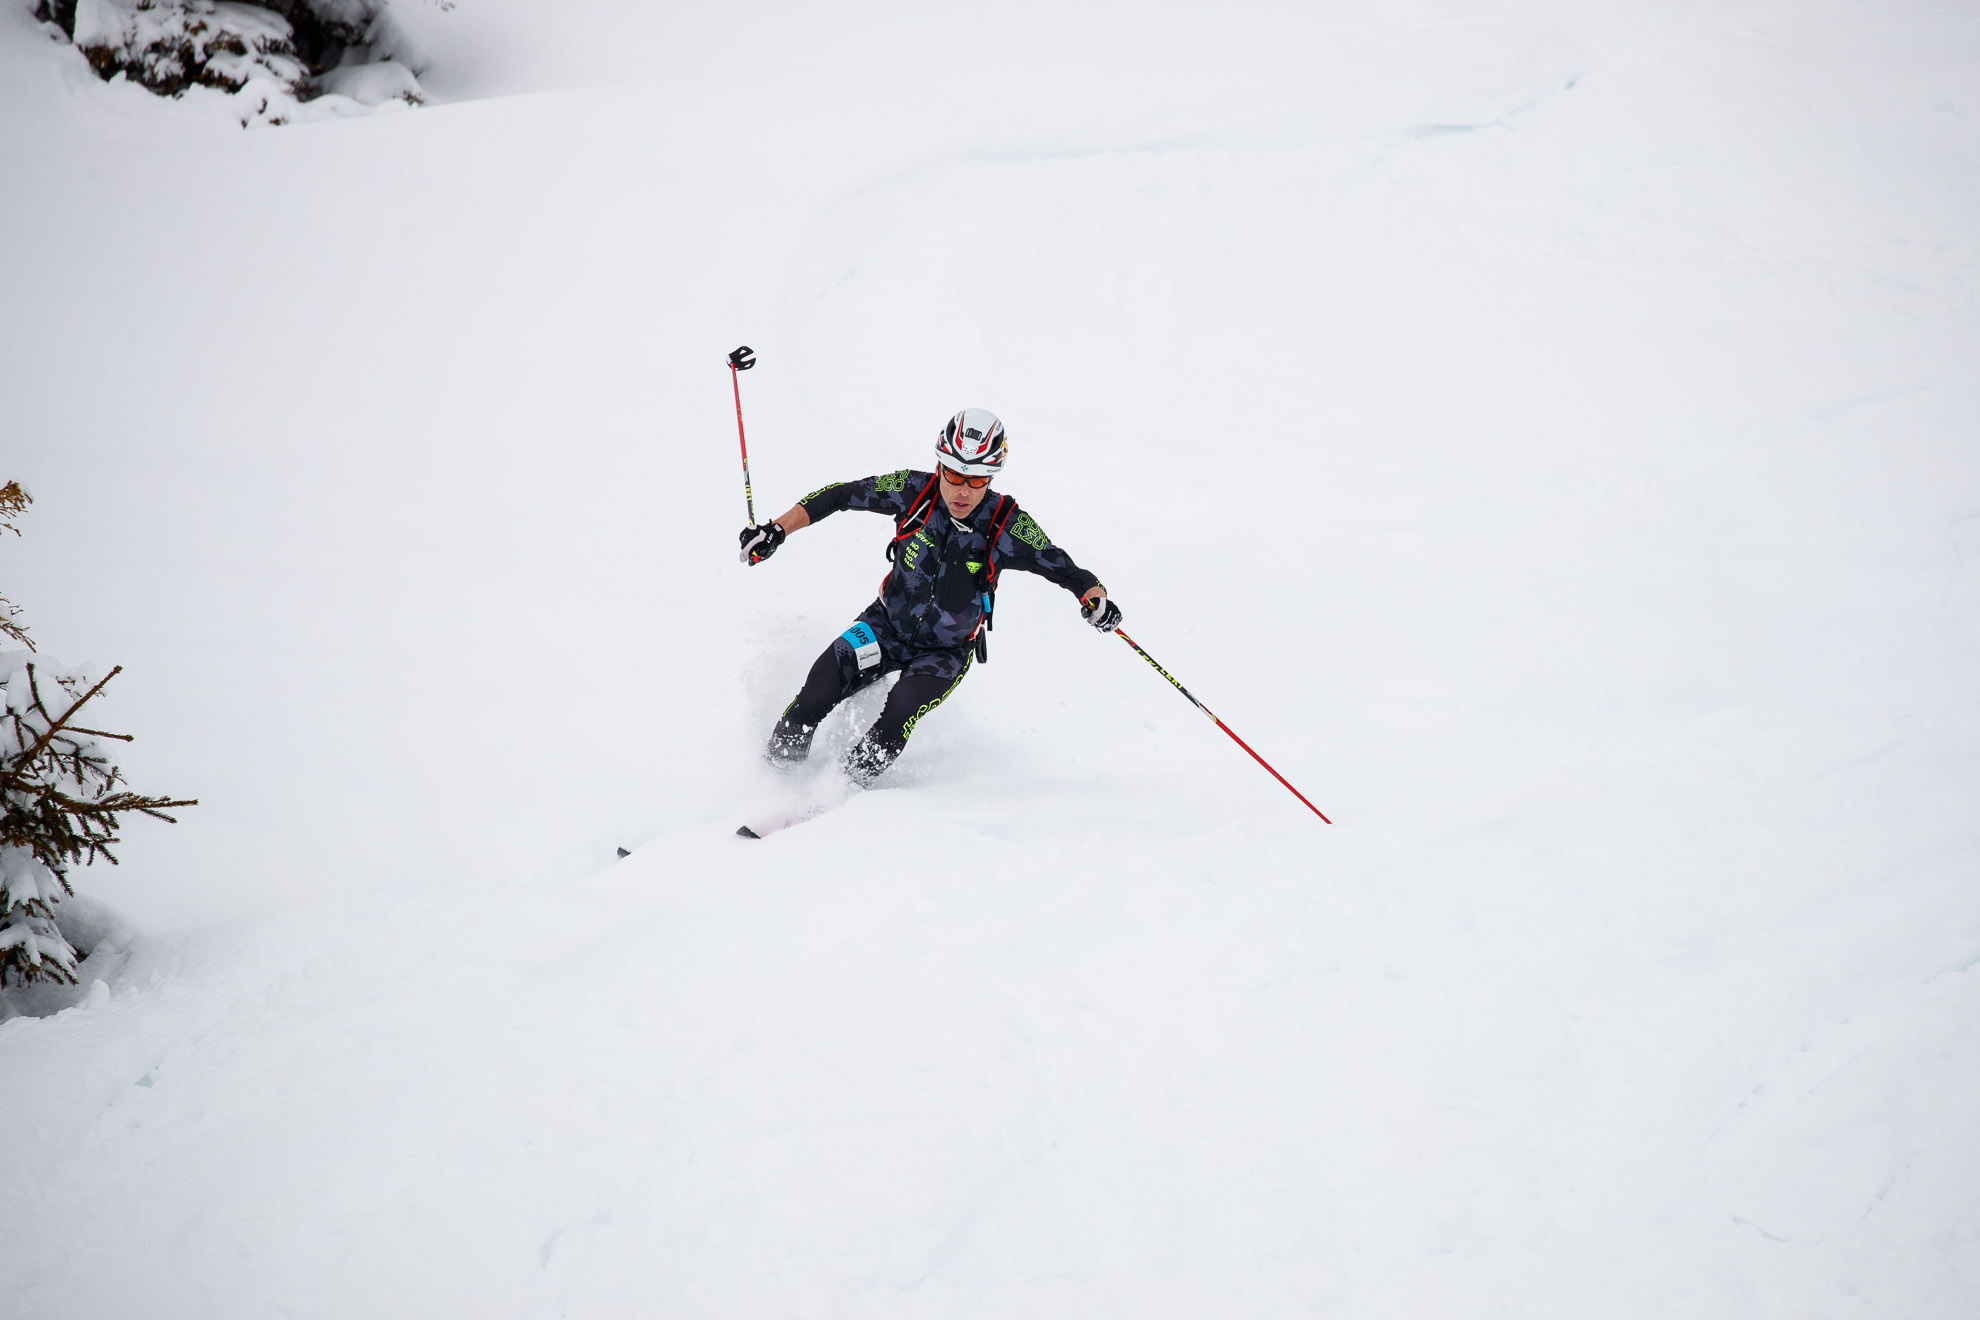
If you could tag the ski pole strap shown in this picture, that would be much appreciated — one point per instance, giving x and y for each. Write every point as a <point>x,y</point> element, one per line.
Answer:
<point>1219,723</point>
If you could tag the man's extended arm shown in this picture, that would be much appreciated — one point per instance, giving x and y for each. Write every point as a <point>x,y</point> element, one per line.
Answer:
<point>887,493</point>
<point>1025,546</point>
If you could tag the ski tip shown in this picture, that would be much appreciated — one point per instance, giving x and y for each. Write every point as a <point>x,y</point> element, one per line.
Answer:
<point>625,852</point>
<point>745,832</point>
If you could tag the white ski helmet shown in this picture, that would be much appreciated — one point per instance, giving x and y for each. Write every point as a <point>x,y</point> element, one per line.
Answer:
<point>972,443</point>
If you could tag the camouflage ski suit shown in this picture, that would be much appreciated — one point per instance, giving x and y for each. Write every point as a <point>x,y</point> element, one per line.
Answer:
<point>923,623</point>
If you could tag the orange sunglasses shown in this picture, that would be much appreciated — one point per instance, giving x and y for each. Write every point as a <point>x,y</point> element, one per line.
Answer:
<point>955,478</point>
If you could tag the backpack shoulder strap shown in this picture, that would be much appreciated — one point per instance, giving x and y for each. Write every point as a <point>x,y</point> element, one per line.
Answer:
<point>987,580</point>
<point>917,513</point>
<point>998,522</point>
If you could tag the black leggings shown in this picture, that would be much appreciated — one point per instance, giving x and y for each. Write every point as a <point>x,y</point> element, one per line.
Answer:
<point>926,681</point>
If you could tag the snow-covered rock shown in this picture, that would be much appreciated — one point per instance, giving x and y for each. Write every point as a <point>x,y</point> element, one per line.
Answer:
<point>273,58</point>
<point>373,84</point>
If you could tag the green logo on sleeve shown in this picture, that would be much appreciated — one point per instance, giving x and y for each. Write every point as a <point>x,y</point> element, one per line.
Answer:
<point>1023,529</point>
<point>892,481</point>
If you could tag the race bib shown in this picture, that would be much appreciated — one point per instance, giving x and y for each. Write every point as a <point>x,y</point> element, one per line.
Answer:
<point>865,644</point>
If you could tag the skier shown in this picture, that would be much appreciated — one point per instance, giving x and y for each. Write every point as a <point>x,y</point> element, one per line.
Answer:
<point>952,536</point>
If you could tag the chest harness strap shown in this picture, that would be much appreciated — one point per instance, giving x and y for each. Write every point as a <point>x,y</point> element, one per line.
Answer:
<point>918,512</point>
<point>908,524</point>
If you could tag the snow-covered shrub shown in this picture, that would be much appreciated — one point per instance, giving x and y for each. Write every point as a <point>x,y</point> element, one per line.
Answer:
<point>273,56</point>
<point>60,796</point>
<point>169,47</point>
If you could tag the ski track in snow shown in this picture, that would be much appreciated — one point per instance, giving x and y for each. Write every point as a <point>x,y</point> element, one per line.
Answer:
<point>1543,431</point>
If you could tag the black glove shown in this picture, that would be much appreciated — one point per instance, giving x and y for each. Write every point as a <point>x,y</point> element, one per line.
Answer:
<point>760,542</point>
<point>1101,613</point>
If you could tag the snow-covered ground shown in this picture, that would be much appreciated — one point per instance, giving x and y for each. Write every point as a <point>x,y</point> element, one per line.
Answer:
<point>1549,432</point>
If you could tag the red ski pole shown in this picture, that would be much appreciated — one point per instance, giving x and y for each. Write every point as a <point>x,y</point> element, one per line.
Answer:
<point>1219,723</point>
<point>742,360</point>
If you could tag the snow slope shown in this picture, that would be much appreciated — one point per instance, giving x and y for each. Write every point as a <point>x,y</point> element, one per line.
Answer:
<point>1545,431</point>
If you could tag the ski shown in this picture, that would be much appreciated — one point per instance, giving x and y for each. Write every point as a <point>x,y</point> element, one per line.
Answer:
<point>808,803</point>
<point>771,825</point>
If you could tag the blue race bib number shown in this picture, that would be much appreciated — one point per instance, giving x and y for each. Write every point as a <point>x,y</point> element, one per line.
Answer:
<point>865,644</point>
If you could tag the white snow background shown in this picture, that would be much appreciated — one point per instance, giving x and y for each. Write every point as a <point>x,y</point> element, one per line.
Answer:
<point>1550,432</point>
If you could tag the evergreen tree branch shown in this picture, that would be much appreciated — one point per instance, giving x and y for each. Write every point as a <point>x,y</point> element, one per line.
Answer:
<point>8,628</point>
<point>111,805</point>
<point>56,725</point>
<point>13,502</point>
<point>61,800</point>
